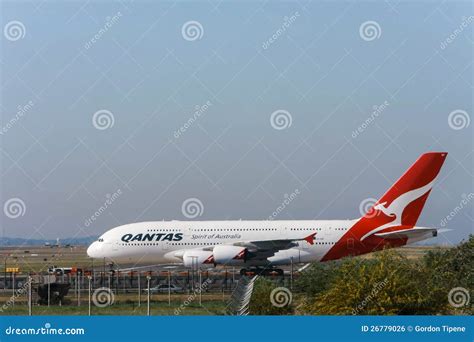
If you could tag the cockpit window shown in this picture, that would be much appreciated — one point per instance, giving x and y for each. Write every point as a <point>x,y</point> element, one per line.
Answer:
<point>100,240</point>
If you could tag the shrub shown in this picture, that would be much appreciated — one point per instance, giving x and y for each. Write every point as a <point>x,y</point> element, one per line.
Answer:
<point>260,303</point>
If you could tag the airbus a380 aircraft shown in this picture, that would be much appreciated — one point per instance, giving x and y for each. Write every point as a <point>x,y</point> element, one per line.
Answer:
<point>389,223</point>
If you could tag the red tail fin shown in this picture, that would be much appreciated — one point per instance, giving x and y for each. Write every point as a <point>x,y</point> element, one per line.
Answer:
<point>398,208</point>
<point>403,202</point>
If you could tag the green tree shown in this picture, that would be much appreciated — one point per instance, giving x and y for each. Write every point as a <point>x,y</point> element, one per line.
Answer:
<point>316,278</point>
<point>448,269</point>
<point>261,303</point>
<point>388,284</point>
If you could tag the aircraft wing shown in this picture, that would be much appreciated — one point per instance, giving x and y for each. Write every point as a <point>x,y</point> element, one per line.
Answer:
<point>262,249</point>
<point>276,244</point>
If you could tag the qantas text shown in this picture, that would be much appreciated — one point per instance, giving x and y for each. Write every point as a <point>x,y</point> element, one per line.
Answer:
<point>153,237</point>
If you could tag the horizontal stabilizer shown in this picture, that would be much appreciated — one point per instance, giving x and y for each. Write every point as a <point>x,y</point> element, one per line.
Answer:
<point>411,233</point>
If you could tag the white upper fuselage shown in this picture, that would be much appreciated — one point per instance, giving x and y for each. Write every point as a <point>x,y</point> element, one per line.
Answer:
<point>161,241</point>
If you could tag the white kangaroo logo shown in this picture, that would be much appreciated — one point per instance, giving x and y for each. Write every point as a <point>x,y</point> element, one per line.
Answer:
<point>398,205</point>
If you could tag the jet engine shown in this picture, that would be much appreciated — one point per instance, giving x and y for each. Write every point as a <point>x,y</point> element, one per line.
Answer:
<point>230,255</point>
<point>198,259</point>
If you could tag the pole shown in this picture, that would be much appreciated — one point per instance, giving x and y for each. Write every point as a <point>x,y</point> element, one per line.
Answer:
<point>13,289</point>
<point>5,275</point>
<point>224,283</point>
<point>78,281</point>
<point>193,259</point>
<point>75,284</point>
<point>90,288</point>
<point>117,281</point>
<point>291,275</point>
<point>148,295</point>
<point>49,288</point>
<point>139,291</point>
<point>169,288</point>
<point>200,287</point>
<point>29,295</point>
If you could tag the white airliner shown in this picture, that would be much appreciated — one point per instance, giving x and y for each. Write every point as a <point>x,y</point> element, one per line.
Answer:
<point>389,223</point>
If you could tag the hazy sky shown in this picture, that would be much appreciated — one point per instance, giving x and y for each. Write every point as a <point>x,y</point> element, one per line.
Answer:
<point>99,101</point>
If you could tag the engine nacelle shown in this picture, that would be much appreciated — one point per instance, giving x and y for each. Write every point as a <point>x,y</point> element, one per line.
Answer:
<point>198,259</point>
<point>229,255</point>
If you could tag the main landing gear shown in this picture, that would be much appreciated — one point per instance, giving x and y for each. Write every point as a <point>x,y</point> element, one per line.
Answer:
<point>261,271</point>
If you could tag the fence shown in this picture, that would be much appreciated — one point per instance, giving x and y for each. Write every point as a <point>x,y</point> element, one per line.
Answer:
<point>133,288</point>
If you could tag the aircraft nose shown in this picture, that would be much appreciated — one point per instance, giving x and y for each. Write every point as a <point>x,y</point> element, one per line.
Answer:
<point>94,250</point>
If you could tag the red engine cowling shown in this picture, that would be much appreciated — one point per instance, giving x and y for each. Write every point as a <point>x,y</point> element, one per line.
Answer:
<point>229,255</point>
<point>198,259</point>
